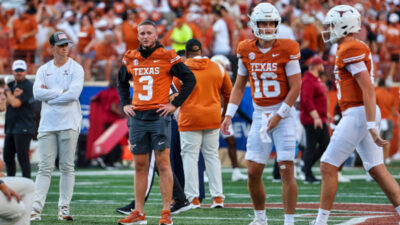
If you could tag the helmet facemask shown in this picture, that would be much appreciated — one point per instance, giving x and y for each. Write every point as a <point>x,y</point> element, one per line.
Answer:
<point>328,33</point>
<point>264,12</point>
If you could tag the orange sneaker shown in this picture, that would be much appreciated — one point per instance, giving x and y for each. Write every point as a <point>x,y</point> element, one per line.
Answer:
<point>218,202</point>
<point>135,217</point>
<point>165,218</point>
<point>195,203</point>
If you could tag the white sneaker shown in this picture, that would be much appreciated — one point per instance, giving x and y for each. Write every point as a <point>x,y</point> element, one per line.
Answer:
<point>35,216</point>
<point>237,175</point>
<point>258,222</point>
<point>64,214</point>
<point>300,175</point>
<point>218,202</point>
<point>342,179</point>
<point>396,157</point>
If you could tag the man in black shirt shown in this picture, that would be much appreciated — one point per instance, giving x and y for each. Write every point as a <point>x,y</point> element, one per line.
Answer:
<point>20,121</point>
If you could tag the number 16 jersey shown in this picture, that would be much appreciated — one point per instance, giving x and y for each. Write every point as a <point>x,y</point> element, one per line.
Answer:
<point>151,77</point>
<point>268,76</point>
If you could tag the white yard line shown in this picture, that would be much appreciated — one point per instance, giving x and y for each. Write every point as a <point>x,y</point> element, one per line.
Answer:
<point>358,220</point>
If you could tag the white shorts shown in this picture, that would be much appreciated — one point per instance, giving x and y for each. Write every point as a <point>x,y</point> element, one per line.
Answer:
<point>283,137</point>
<point>351,134</point>
<point>230,129</point>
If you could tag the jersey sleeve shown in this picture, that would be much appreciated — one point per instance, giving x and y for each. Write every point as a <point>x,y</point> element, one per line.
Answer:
<point>174,58</point>
<point>293,50</point>
<point>240,51</point>
<point>352,54</point>
<point>126,57</point>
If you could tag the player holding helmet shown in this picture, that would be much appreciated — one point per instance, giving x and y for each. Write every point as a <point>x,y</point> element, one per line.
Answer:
<point>358,129</point>
<point>273,68</point>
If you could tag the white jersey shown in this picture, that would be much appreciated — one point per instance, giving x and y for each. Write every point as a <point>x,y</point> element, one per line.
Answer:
<point>60,101</point>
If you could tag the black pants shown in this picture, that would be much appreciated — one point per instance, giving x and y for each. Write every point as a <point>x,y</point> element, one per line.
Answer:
<point>17,144</point>
<point>317,141</point>
<point>177,192</point>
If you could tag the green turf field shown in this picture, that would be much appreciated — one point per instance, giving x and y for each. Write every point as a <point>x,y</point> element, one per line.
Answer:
<point>98,192</point>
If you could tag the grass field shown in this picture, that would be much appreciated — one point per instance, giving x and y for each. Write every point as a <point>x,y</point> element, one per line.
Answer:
<point>98,192</point>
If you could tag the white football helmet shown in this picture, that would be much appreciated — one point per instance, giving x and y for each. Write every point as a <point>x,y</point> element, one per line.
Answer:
<point>340,21</point>
<point>265,12</point>
<point>224,62</point>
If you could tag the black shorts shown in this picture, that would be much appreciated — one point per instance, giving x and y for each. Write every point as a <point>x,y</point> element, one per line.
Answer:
<point>147,135</point>
<point>394,58</point>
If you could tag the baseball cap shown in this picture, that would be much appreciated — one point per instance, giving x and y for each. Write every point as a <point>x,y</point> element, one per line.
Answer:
<point>19,65</point>
<point>193,45</point>
<point>316,60</point>
<point>59,38</point>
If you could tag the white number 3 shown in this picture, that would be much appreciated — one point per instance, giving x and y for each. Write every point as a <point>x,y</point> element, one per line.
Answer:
<point>146,87</point>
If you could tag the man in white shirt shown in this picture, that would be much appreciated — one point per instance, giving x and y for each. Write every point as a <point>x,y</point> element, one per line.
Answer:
<point>221,34</point>
<point>58,85</point>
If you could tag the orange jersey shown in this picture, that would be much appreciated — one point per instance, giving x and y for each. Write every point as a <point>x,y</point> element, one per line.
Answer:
<point>85,36</point>
<point>151,77</point>
<point>268,79</point>
<point>24,26</point>
<point>202,109</point>
<point>385,100</point>
<point>392,39</point>
<point>349,92</point>
<point>130,34</point>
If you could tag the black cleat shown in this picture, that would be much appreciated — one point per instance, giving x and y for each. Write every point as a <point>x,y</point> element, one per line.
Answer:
<point>179,207</point>
<point>126,210</point>
<point>312,180</point>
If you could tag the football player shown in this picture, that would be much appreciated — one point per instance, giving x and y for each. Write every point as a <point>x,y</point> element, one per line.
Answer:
<point>358,128</point>
<point>151,68</point>
<point>272,67</point>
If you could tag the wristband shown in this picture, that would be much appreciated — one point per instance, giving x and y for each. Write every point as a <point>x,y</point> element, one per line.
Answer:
<point>284,110</point>
<point>371,125</point>
<point>231,110</point>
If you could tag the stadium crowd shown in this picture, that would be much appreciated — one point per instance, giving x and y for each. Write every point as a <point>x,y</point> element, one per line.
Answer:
<point>104,32</point>
<point>101,31</point>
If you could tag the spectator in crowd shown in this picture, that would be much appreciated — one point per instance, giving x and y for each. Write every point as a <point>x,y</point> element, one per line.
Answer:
<point>129,29</point>
<point>285,31</point>
<point>358,128</point>
<point>392,42</point>
<point>69,26</point>
<point>16,195</point>
<point>386,102</point>
<point>273,119</point>
<point>86,43</point>
<point>20,121</point>
<point>199,133</point>
<point>313,116</point>
<point>181,33</point>
<point>58,85</point>
<point>24,29</point>
<point>310,34</point>
<point>230,138</point>
<point>149,112</point>
<point>233,28</point>
<point>106,55</point>
<point>221,44</point>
